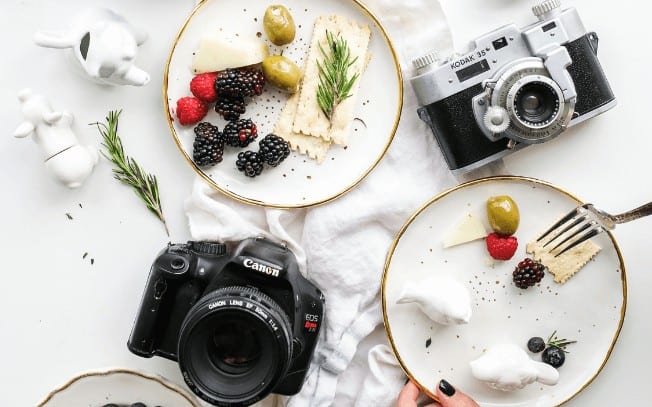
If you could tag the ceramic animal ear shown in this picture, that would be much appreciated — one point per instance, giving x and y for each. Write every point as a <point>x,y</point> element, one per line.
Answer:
<point>53,39</point>
<point>24,130</point>
<point>84,44</point>
<point>52,117</point>
<point>136,76</point>
<point>139,35</point>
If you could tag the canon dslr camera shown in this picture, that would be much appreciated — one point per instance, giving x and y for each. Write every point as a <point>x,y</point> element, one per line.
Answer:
<point>515,88</point>
<point>241,324</point>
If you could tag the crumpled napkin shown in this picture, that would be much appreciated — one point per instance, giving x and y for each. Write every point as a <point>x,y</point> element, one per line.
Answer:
<point>341,246</point>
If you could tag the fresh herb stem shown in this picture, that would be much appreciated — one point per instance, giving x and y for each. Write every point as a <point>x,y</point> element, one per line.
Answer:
<point>127,169</point>
<point>334,81</point>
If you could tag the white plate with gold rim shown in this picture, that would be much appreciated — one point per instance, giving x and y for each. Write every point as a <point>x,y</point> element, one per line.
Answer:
<point>589,308</point>
<point>119,386</point>
<point>299,181</point>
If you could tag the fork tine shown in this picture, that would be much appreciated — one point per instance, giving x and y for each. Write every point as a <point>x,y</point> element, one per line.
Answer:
<point>572,235</point>
<point>563,220</point>
<point>586,236</point>
<point>570,226</point>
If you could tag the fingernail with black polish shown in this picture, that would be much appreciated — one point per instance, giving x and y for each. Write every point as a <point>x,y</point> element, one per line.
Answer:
<point>446,388</point>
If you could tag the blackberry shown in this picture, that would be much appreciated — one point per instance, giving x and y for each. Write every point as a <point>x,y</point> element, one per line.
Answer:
<point>230,108</point>
<point>240,133</point>
<point>528,273</point>
<point>240,82</point>
<point>249,162</point>
<point>273,149</point>
<point>536,344</point>
<point>208,146</point>
<point>553,356</point>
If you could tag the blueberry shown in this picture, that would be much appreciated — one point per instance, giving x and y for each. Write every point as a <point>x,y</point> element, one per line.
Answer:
<point>110,405</point>
<point>536,344</point>
<point>553,356</point>
<point>139,404</point>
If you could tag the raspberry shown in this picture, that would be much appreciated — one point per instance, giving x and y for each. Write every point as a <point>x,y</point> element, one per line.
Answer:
<point>527,273</point>
<point>203,87</point>
<point>250,162</point>
<point>273,149</point>
<point>191,110</point>
<point>501,247</point>
<point>240,133</point>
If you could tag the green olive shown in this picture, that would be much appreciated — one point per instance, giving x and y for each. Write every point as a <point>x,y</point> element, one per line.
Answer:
<point>282,73</point>
<point>503,214</point>
<point>279,25</point>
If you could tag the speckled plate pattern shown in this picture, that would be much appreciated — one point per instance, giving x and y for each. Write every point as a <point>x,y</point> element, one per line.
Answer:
<point>119,386</point>
<point>589,308</point>
<point>299,181</point>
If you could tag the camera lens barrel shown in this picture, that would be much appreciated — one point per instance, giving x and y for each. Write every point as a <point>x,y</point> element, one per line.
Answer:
<point>235,345</point>
<point>535,103</point>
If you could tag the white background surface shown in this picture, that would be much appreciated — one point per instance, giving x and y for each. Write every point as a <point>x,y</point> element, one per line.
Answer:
<point>60,315</point>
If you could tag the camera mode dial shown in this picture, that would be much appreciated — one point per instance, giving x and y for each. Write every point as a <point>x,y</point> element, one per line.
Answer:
<point>546,9</point>
<point>211,248</point>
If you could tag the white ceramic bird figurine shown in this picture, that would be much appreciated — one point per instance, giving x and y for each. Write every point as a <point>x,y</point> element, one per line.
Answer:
<point>104,45</point>
<point>70,162</point>
<point>442,299</point>
<point>508,367</point>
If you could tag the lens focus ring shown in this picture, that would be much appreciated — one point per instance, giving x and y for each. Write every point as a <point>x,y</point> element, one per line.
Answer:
<point>235,344</point>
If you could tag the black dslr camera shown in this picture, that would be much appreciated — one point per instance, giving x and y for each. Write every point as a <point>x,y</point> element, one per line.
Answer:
<point>241,324</point>
<point>514,88</point>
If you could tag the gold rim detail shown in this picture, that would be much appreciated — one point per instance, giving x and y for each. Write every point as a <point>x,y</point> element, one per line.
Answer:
<point>535,181</point>
<point>211,182</point>
<point>156,379</point>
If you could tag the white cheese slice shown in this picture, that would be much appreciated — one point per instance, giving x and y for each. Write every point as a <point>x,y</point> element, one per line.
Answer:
<point>469,229</point>
<point>218,52</point>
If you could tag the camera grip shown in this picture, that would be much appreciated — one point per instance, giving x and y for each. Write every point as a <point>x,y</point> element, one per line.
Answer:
<point>593,90</point>
<point>140,340</point>
<point>459,137</point>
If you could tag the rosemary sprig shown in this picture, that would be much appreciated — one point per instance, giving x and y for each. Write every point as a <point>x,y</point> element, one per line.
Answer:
<point>334,83</point>
<point>127,169</point>
<point>559,343</point>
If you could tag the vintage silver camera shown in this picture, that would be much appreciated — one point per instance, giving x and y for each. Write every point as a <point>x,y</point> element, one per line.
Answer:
<point>515,87</point>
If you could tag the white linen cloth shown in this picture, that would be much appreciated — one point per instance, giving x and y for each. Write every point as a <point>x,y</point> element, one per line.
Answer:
<point>342,246</point>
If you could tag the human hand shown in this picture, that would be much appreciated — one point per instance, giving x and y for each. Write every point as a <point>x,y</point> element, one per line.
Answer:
<point>447,395</point>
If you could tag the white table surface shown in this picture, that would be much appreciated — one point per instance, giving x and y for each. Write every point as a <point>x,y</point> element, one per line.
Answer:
<point>60,314</point>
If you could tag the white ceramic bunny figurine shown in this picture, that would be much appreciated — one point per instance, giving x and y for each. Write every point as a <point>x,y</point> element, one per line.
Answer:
<point>507,367</point>
<point>68,161</point>
<point>104,44</point>
<point>442,299</point>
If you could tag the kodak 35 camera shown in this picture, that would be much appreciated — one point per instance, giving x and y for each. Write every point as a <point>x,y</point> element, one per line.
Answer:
<point>516,87</point>
<point>241,325</point>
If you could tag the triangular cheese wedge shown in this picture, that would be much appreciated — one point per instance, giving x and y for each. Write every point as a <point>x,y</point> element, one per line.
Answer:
<point>469,229</point>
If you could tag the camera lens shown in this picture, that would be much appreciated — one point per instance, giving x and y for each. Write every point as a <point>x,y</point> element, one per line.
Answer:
<point>536,104</point>
<point>235,345</point>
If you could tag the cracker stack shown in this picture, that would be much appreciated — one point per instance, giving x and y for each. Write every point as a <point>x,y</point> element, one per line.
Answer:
<point>302,123</point>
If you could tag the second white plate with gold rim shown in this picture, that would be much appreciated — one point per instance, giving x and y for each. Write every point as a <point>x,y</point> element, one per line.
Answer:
<point>299,181</point>
<point>118,386</point>
<point>589,308</point>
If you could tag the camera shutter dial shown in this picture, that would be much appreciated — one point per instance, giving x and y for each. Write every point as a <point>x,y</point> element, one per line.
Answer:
<point>546,9</point>
<point>211,248</point>
<point>496,119</point>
